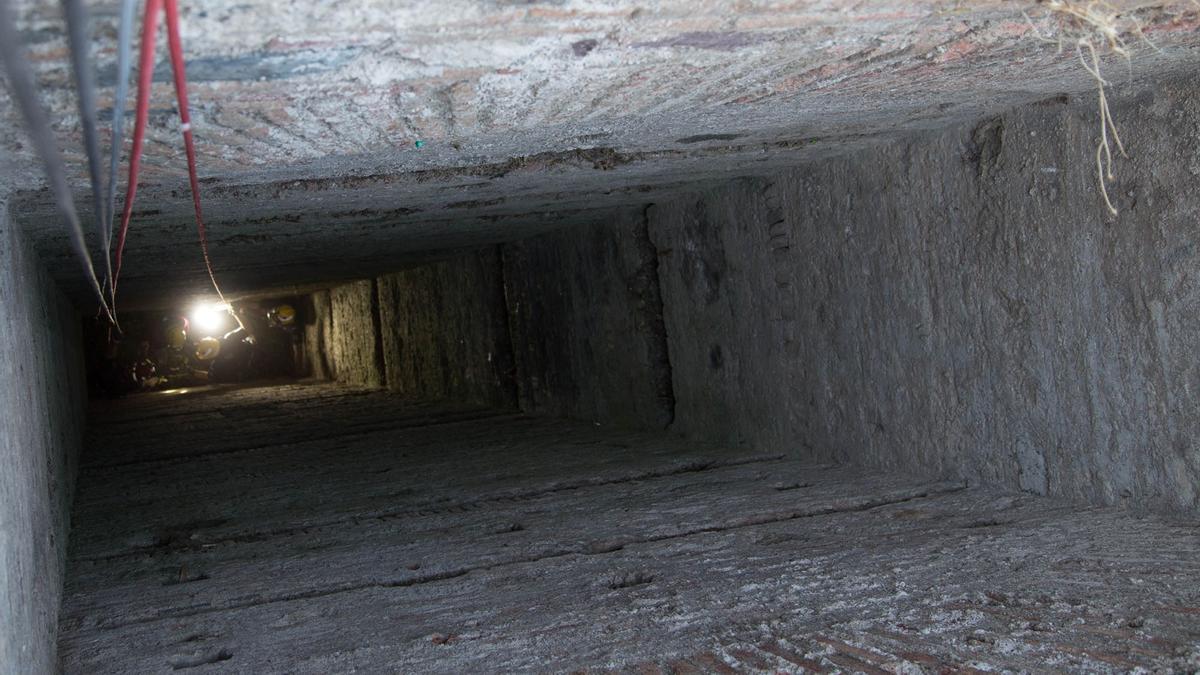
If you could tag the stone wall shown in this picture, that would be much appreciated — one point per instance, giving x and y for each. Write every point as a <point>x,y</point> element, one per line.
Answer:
<point>960,304</point>
<point>318,327</point>
<point>566,324</point>
<point>586,318</point>
<point>42,407</point>
<point>354,352</point>
<point>445,331</point>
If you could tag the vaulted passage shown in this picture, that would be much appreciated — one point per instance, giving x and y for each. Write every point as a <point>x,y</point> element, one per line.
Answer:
<point>671,336</point>
<point>317,528</point>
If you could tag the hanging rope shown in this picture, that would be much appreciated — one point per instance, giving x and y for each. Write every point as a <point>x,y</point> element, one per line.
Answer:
<point>24,90</point>
<point>79,42</point>
<point>145,81</point>
<point>175,44</point>
<point>124,65</point>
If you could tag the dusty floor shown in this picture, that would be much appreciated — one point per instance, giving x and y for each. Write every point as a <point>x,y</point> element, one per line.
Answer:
<point>320,529</point>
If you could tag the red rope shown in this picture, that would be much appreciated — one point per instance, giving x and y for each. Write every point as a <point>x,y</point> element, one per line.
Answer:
<point>145,81</point>
<point>177,65</point>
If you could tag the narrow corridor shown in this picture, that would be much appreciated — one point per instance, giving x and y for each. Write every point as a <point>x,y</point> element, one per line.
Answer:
<point>318,528</point>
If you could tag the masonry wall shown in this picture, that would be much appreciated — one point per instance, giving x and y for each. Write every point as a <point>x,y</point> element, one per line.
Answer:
<point>318,328</point>
<point>567,324</point>
<point>959,305</point>
<point>354,354</point>
<point>585,313</point>
<point>41,426</point>
<point>445,331</point>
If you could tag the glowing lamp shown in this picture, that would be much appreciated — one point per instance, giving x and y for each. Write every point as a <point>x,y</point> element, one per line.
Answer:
<point>210,318</point>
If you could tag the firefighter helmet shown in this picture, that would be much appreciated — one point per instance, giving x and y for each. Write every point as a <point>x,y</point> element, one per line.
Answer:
<point>208,348</point>
<point>283,315</point>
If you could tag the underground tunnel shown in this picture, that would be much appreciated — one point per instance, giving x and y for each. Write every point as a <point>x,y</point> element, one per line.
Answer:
<point>572,336</point>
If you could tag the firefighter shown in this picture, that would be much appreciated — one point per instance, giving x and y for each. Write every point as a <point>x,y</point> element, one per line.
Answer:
<point>172,357</point>
<point>282,316</point>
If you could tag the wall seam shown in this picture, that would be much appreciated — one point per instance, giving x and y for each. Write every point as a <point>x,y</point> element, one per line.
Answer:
<point>377,327</point>
<point>509,377</point>
<point>657,315</point>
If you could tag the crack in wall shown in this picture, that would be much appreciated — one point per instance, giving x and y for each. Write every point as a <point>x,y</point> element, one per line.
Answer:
<point>654,316</point>
<point>377,327</point>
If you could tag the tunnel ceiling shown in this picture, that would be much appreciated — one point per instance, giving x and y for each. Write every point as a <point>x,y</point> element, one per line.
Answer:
<point>345,138</point>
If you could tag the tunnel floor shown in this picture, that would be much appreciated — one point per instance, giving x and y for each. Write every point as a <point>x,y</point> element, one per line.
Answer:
<point>316,528</point>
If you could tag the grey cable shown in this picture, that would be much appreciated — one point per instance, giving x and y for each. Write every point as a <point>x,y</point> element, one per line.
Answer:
<point>85,89</point>
<point>24,90</point>
<point>124,68</point>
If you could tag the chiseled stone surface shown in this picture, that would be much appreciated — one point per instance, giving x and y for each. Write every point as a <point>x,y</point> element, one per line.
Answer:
<point>318,328</point>
<point>566,324</point>
<point>445,331</point>
<point>41,432</point>
<point>586,317</point>
<point>503,543</point>
<point>958,305</point>
<point>353,342</point>
<point>337,139</point>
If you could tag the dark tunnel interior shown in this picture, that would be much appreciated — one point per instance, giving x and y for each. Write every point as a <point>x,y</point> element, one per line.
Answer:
<point>622,337</point>
<point>429,469</point>
<point>207,343</point>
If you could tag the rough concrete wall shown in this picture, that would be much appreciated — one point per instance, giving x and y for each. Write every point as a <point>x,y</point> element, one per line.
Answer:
<point>566,324</point>
<point>445,331</point>
<point>353,336</point>
<point>318,359</point>
<point>959,305</point>
<point>41,425</point>
<point>586,317</point>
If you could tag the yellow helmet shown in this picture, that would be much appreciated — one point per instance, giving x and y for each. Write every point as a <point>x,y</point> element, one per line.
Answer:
<point>285,314</point>
<point>208,348</point>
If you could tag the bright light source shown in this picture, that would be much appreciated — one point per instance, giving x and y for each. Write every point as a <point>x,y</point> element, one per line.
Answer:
<point>210,318</point>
